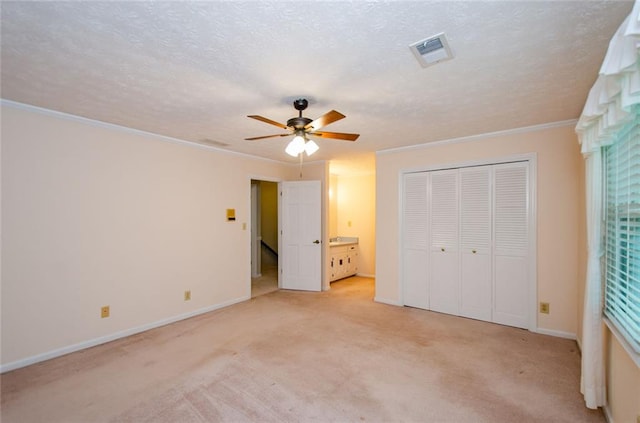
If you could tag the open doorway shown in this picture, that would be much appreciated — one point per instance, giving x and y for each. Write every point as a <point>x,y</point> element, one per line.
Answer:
<point>264,237</point>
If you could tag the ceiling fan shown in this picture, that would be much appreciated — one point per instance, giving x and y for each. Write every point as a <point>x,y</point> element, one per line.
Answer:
<point>301,126</point>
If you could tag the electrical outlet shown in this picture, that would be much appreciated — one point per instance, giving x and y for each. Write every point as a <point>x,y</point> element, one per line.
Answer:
<point>187,295</point>
<point>104,312</point>
<point>544,308</point>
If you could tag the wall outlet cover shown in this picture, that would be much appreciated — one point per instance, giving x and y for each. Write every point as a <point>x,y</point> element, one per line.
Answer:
<point>544,308</point>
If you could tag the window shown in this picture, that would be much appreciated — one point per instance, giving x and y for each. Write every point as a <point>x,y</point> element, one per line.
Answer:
<point>622,220</point>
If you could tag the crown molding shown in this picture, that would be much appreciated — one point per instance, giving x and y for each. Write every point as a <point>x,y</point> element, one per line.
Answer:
<point>100,124</point>
<point>470,138</point>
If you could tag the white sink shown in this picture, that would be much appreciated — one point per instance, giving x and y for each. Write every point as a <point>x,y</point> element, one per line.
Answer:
<point>342,240</point>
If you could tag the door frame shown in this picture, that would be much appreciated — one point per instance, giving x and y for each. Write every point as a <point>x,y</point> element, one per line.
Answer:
<point>251,228</point>
<point>531,159</point>
<point>254,227</point>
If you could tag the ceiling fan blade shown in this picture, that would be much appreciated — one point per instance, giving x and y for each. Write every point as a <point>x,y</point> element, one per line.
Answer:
<point>336,135</point>
<point>325,120</point>
<point>269,121</point>
<point>267,136</point>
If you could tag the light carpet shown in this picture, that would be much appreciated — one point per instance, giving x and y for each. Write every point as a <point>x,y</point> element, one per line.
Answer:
<point>288,356</point>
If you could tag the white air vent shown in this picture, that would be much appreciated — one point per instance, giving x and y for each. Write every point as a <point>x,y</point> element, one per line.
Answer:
<point>432,50</point>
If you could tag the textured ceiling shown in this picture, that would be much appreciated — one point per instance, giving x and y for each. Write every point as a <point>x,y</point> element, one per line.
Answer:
<point>194,70</point>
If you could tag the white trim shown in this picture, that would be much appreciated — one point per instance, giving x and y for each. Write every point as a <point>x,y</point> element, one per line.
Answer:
<point>113,126</point>
<point>608,415</point>
<point>579,342</point>
<point>556,333</point>
<point>532,174</point>
<point>634,356</point>
<point>114,336</point>
<point>400,244</point>
<point>533,128</point>
<point>533,241</point>
<point>386,301</point>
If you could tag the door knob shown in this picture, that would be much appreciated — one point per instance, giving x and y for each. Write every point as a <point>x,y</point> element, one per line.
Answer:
<point>473,251</point>
<point>317,241</point>
<point>441,249</point>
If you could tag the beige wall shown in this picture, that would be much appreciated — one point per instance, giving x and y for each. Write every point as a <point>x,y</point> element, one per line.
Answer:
<point>558,217</point>
<point>333,206</point>
<point>93,215</point>
<point>356,202</point>
<point>623,383</point>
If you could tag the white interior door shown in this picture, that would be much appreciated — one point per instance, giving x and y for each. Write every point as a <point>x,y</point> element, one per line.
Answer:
<point>415,238</point>
<point>511,254</point>
<point>444,281</point>
<point>467,246</point>
<point>301,234</point>
<point>475,243</point>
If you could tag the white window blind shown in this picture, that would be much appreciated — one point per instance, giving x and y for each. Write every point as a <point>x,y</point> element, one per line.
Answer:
<point>622,215</point>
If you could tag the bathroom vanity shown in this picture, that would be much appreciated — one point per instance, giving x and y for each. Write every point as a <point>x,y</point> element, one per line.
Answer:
<point>343,257</point>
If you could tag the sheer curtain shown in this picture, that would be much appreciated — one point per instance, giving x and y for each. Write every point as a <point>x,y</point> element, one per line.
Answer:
<point>610,105</point>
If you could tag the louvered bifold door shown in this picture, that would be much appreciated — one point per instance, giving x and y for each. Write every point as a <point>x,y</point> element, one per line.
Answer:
<point>444,281</point>
<point>511,241</point>
<point>414,240</point>
<point>475,243</point>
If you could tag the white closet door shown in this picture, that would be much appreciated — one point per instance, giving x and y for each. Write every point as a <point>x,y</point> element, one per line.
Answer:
<point>475,243</point>
<point>444,282</point>
<point>511,261</point>
<point>414,240</point>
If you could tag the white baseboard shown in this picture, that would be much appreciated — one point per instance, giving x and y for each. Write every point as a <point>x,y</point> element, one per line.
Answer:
<point>607,413</point>
<point>112,337</point>
<point>556,333</point>
<point>386,301</point>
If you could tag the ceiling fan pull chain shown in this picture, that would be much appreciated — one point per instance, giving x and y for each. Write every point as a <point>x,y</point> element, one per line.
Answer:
<point>301,156</point>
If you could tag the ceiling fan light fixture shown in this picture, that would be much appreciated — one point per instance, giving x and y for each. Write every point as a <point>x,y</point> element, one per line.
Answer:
<point>296,146</point>
<point>301,126</point>
<point>311,147</point>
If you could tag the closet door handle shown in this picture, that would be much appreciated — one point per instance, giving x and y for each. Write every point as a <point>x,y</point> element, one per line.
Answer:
<point>473,251</point>
<point>317,241</point>
<point>442,249</point>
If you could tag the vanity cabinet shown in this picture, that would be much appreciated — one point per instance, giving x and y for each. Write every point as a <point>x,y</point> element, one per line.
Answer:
<point>344,261</point>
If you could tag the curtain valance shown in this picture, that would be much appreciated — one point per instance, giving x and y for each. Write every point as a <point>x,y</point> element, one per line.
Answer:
<point>613,98</point>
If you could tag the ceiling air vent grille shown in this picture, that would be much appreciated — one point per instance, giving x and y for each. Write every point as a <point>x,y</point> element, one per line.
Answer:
<point>432,50</point>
